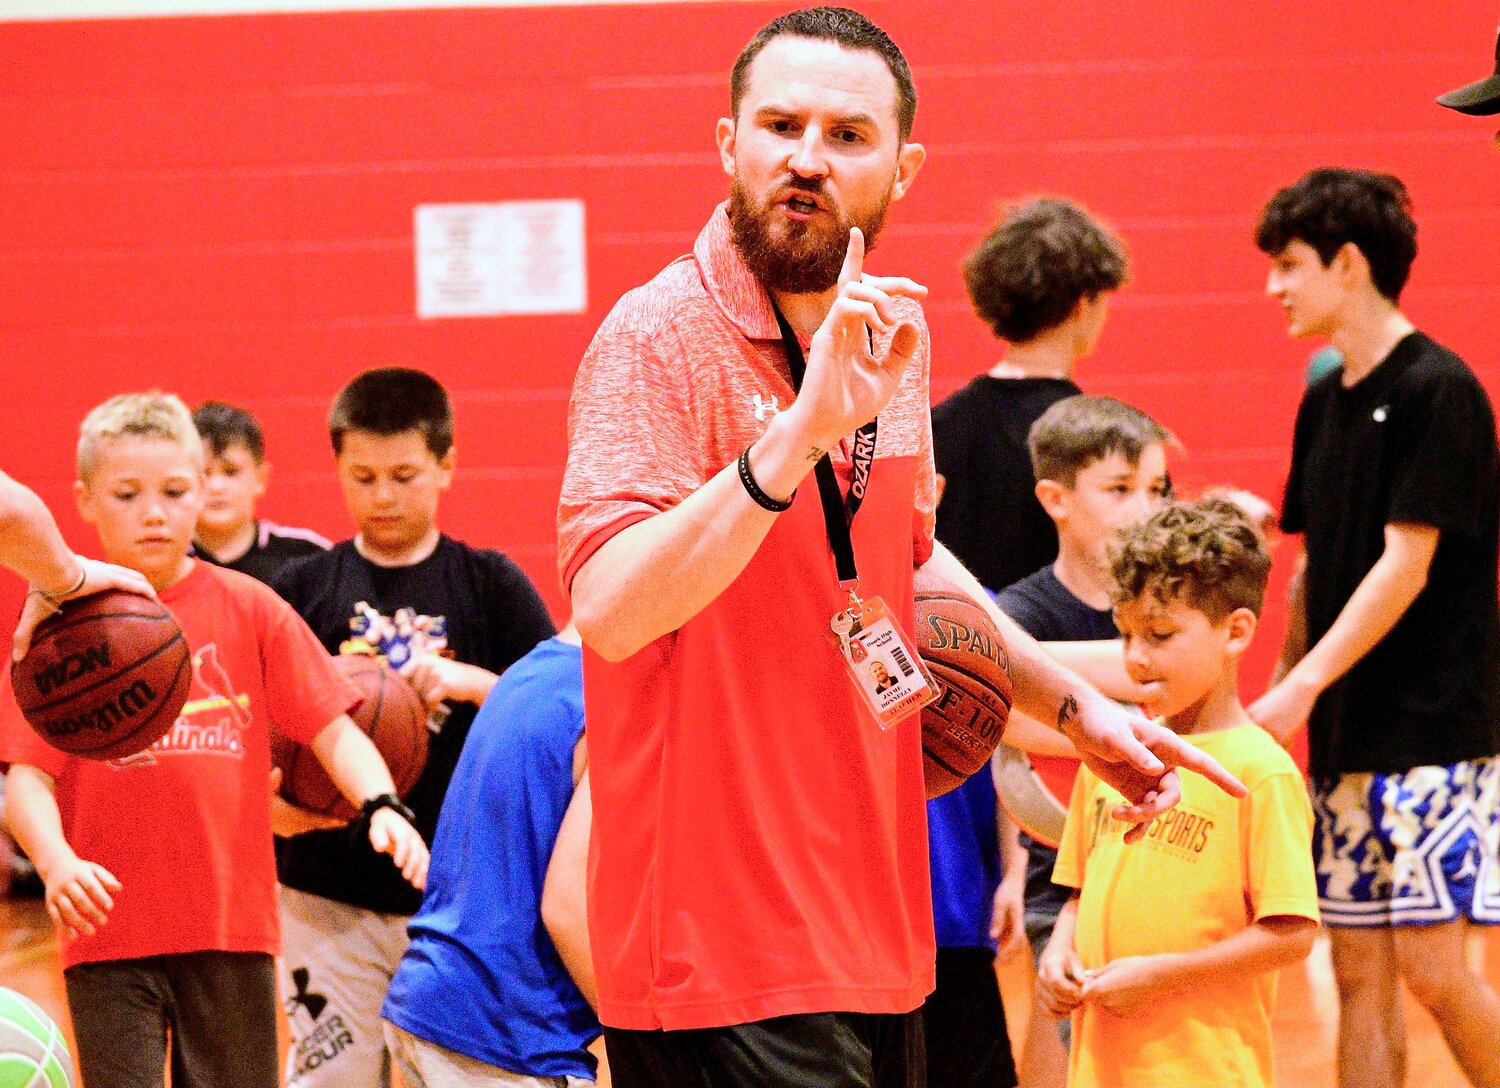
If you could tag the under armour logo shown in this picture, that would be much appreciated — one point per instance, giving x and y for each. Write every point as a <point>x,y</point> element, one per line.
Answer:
<point>764,409</point>
<point>313,1003</point>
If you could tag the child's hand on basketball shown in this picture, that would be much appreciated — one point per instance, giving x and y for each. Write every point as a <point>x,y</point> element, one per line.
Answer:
<point>93,577</point>
<point>1128,986</point>
<point>436,678</point>
<point>391,834</point>
<point>79,896</point>
<point>288,819</point>
<point>1060,979</point>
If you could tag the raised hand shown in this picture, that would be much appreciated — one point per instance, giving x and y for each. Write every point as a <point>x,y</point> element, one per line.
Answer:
<point>847,384</point>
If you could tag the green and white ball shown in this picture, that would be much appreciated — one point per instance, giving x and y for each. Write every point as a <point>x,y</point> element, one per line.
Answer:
<point>33,1052</point>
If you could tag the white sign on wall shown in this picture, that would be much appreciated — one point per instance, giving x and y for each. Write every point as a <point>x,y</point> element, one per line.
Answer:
<point>510,257</point>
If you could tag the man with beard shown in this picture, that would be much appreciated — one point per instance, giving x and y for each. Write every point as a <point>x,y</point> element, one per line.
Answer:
<point>758,892</point>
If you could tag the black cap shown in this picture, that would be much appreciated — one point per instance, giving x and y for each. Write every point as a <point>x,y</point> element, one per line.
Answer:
<point>1479,98</point>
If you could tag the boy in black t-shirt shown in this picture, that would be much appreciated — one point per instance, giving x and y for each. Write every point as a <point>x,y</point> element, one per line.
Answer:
<point>1041,280</point>
<point>1100,466</point>
<point>1394,483</point>
<point>234,479</point>
<point>450,618</point>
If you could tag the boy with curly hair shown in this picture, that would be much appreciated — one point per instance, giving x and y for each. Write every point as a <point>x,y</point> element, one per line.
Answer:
<point>1166,953</point>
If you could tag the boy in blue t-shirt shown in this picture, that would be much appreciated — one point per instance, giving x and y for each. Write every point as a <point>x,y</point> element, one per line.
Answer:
<point>497,986</point>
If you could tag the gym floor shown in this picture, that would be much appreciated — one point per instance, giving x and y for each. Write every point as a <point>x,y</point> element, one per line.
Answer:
<point>1304,1026</point>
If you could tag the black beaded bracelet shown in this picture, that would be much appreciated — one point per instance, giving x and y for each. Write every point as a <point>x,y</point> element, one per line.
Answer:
<point>761,498</point>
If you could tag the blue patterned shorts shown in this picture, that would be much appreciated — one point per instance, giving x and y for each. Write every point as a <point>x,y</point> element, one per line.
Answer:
<point>1409,848</point>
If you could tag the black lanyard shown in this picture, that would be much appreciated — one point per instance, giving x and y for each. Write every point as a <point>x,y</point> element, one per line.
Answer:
<point>838,510</point>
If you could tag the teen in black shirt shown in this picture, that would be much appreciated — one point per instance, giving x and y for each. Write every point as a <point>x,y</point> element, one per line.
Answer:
<point>1394,487</point>
<point>1414,441</point>
<point>1041,280</point>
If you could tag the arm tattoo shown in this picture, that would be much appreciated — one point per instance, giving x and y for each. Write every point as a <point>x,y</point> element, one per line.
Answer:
<point>1068,711</point>
<point>815,454</point>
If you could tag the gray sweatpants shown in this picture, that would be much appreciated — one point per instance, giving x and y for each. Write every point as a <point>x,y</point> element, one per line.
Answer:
<point>336,965</point>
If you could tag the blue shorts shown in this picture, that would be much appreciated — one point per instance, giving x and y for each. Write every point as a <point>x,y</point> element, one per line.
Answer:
<point>1414,847</point>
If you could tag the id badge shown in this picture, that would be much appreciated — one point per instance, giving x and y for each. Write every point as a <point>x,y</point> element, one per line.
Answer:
<point>880,660</point>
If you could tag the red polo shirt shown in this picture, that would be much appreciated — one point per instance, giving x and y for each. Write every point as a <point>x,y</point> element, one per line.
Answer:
<point>760,844</point>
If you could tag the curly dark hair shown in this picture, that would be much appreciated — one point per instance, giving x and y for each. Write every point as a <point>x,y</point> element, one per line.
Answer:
<point>1030,271</point>
<point>1332,207</point>
<point>1205,553</point>
<point>845,27</point>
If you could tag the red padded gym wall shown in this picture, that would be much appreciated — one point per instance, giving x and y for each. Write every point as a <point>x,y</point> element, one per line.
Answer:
<point>223,206</point>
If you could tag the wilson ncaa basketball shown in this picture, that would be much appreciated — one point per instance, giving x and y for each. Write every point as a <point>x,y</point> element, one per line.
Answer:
<point>965,653</point>
<point>106,676</point>
<point>392,715</point>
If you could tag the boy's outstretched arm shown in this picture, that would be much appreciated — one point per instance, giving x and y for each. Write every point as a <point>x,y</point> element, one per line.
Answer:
<point>1129,986</point>
<point>1102,663</point>
<point>79,892</point>
<point>1059,971</point>
<point>436,678</point>
<point>357,769</point>
<point>565,892</point>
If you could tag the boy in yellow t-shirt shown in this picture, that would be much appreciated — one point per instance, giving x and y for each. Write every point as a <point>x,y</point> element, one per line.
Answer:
<point>1166,954</point>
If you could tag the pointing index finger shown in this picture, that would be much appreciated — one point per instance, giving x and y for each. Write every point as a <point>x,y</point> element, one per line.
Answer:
<point>1191,758</point>
<point>854,258</point>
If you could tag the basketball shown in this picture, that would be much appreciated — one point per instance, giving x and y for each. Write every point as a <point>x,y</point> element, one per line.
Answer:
<point>106,675</point>
<point>33,1052</point>
<point>392,715</point>
<point>965,653</point>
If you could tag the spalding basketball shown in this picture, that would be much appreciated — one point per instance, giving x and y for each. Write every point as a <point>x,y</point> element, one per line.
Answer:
<point>106,676</point>
<point>965,653</point>
<point>392,715</point>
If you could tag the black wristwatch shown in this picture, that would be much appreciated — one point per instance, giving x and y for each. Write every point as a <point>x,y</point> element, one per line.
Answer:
<point>386,800</point>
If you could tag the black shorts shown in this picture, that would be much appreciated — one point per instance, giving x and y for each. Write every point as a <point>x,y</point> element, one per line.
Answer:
<point>220,1008</point>
<point>967,1044</point>
<point>813,1050</point>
